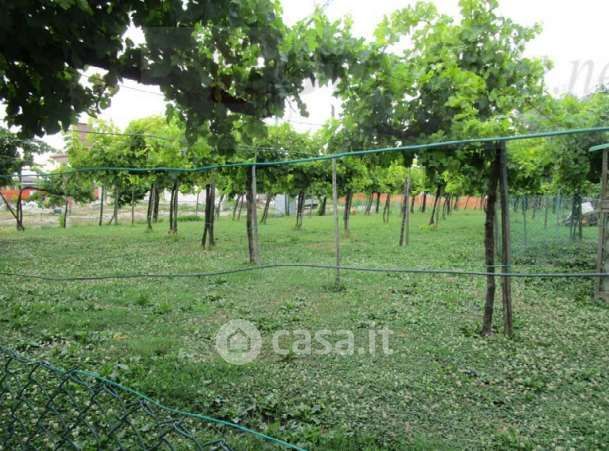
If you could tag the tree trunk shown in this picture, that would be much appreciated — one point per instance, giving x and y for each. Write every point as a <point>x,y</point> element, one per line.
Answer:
<point>432,219</point>
<point>412,200</point>
<point>157,200</point>
<point>525,207</point>
<point>101,205</point>
<point>580,218</point>
<point>15,213</point>
<point>300,209</point>
<point>218,207</point>
<point>252,222</point>
<point>424,203</point>
<point>64,222</point>
<point>243,199</point>
<point>489,247</point>
<point>387,209</point>
<point>236,207</point>
<point>208,240</point>
<point>347,212</point>
<point>132,206</point>
<point>286,201</point>
<point>377,206</point>
<point>19,211</point>
<point>506,240</point>
<point>369,204</point>
<point>197,204</point>
<point>322,206</point>
<point>466,202</point>
<point>116,200</point>
<point>176,207</point>
<point>267,205</point>
<point>404,231</point>
<point>151,202</point>
<point>173,209</point>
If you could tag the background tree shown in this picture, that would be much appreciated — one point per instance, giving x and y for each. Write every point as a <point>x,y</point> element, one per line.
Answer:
<point>61,187</point>
<point>452,80</point>
<point>575,168</point>
<point>16,155</point>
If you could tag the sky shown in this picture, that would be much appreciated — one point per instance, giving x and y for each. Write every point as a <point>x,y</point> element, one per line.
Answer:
<point>573,38</point>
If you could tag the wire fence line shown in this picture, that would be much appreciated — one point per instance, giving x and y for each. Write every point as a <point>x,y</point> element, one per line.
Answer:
<point>448,272</point>
<point>43,406</point>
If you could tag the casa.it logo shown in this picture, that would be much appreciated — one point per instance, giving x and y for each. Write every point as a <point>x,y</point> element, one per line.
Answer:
<point>238,342</point>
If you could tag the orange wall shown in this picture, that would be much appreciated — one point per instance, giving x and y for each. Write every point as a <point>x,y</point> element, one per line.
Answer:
<point>469,201</point>
<point>11,194</point>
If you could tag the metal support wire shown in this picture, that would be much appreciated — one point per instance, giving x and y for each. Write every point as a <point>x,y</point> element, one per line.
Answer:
<point>445,145</point>
<point>46,407</point>
<point>422,271</point>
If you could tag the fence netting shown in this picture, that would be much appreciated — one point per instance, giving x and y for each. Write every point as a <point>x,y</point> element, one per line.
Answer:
<point>45,407</point>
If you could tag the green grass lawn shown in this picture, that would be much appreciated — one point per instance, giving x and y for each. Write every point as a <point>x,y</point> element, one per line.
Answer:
<point>442,387</point>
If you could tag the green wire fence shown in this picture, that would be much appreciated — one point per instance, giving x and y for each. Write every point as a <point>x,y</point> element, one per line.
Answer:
<point>45,407</point>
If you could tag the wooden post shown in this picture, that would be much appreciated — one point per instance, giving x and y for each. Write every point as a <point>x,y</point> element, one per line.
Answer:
<point>506,251</point>
<point>336,222</point>
<point>602,264</point>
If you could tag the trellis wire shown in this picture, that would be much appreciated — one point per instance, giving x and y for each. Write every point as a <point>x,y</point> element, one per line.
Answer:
<point>340,155</point>
<point>43,406</point>
<point>449,272</point>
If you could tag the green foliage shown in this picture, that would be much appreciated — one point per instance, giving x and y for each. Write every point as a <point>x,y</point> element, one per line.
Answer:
<point>17,154</point>
<point>211,59</point>
<point>54,190</point>
<point>453,80</point>
<point>562,164</point>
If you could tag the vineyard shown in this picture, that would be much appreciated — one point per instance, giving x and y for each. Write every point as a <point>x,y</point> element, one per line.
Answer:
<point>425,266</point>
<point>156,335</point>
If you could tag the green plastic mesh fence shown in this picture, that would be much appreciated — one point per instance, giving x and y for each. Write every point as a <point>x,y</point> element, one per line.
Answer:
<point>45,407</point>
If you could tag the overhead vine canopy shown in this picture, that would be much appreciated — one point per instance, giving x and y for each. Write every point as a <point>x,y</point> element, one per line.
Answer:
<point>210,58</point>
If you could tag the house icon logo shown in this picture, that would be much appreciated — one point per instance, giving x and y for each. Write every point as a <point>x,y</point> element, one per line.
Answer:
<point>238,342</point>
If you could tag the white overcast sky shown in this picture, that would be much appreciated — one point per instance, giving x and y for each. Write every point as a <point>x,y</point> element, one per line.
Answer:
<point>574,33</point>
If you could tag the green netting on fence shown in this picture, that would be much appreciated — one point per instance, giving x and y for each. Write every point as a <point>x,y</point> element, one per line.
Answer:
<point>45,407</point>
